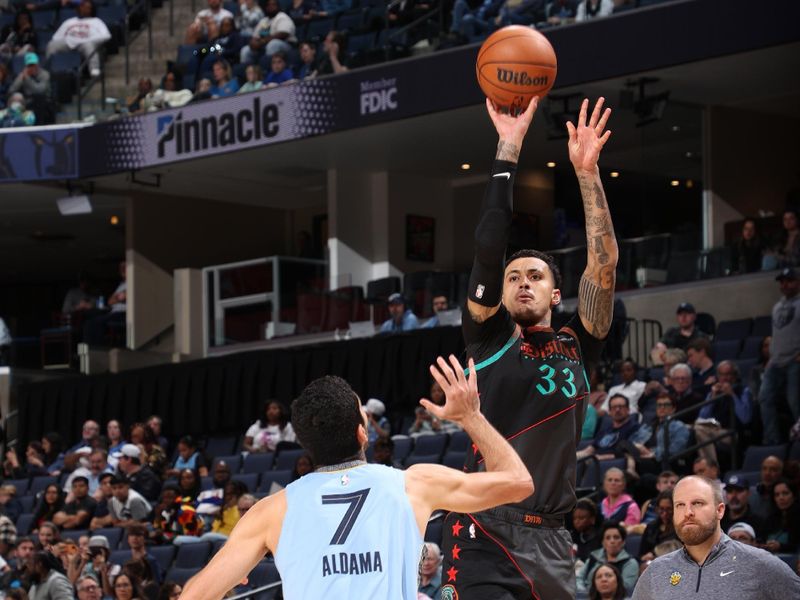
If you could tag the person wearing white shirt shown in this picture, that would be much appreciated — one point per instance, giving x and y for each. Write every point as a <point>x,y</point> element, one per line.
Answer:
<point>207,22</point>
<point>5,342</point>
<point>593,9</point>
<point>274,33</point>
<point>85,33</point>
<point>630,387</point>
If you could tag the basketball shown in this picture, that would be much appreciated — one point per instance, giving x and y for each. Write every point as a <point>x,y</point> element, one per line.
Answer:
<point>514,64</point>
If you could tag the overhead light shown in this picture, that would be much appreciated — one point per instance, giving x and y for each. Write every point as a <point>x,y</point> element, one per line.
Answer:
<point>689,154</point>
<point>114,220</point>
<point>551,164</point>
<point>614,174</point>
<point>676,128</point>
<point>466,167</point>
<point>689,183</point>
<point>74,205</point>
<point>674,183</point>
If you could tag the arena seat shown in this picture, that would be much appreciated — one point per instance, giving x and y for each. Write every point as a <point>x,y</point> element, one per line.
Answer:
<point>282,478</point>
<point>591,475</point>
<point>38,484</point>
<point>751,347</point>
<point>350,22</point>
<point>402,447</point>
<point>633,544</point>
<point>43,19</point>
<point>429,445</point>
<point>433,532</point>
<point>206,483</point>
<point>454,460</point>
<point>754,455</point>
<point>216,546</point>
<point>706,323</point>
<point>733,330</point>
<point>249,479</point>
<point>287,458</point>
<point>726,349</point>
<point>745,366</point>
<point>234,461</point>
<point>264,573</point>
<point>23,524</point>
<point>459,442</point>
<point>73,534</point>
<point>221,445</point>
<point>21,485</point>
<point>762,326</point>
<point>27,503</point>
<point>416,459</point>
<point>181,575</point>
<point>119,557</point>
<point>193,556</point>
<point>112,534</point>
<point>319,28</point>
<point>258,462</point>
<point>164,555</point>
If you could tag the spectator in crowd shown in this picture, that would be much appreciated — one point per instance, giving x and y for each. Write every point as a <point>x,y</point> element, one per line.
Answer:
<point>18,575</point>
<point>97,461</point>
<point>275,32</point>
<point>114,436</point>
<point>631,387</point>
<point>247,20</point>
<point>666,482</point>
<point>716,417</point>
<point>383,453</point>
<point>650,439</point>
<point>95,329</point>
<point>246,502</point>
<point>430,571</point>
<point>49,583</point>
<point>177,519</point>
<point>8,539</point>
<point>141,572</point>
<point>206,24</point>
<point>308,61</point>
<point>226,518</point>
<point>156,424</point>
<point>18,38</point>
<point>126,588</point>
<point>225,84</point>
<point>16,115</point>
<point>303,10</point>
<point>747,252</point>
<point>680,336</point>
<point>221,475</point>
<point>137,535</point>
<point>5,82</point>
<point>425,422</point>
<point>169,591</point>
<point>738,510</point>
<point>330,8</point>
<point>672,357</point>
<point>612,553</point>
<point>88,588</point>
<point>279,72</point>
<point>89,433</point>
<point>333,48</point>
<point>265,434</point>
<point>189,457</point>
<point>440,304</point>
<point>757,371</point>
<point>33,81</point>
<point>103,495</point>
<point>203,90</point>
<point>86,33</point>
<point>526,12</point>
<point>91,561</point>
<point>744,533</point>
<point>78,298</point>
<point>49,535</point>
<point>618,506</point>
<point>229,40</point>
<point>188,485</point>
<point>162,511</point>
<point>660,530</point>
<point>561,12</point>
<point>680,377</point>
<point>53,446</point>
<point>9,505</point>
<point>154,456</point>
<point>783,526</point>
<point>782,375</point>
<point>378,424</point>
<point>607,584</point>
<point>611,440</point>
<point>51,502</point>
<point>302,466</point>
<point>700,357</point>
<point>254,81</point>
<point>705,467</point>
<point>34,462</point>
<point>128,506</point>
<point>5,342</point>
<point>469,22</point>
<point>585,531</point>
<point>594,9</point>
<point>400,317</point>
<point>77,513</point>
<point>788,247</point>
<point>135,103</point>
<point>140,478</point>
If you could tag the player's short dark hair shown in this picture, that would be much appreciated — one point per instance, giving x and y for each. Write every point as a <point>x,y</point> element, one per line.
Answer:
<point>543,256</point>
<point>701,344</point>
<point>325,417</point>
<point>613,525</point>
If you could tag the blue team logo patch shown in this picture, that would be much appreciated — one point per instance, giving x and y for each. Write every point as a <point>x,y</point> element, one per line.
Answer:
<point>448,592</point>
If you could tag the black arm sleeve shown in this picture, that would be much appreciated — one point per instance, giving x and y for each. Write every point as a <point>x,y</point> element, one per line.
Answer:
<point>491,236</point>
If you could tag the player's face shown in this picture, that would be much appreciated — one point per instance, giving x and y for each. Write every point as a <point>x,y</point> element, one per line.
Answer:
<point>529,292</point>
<point>696,516</point>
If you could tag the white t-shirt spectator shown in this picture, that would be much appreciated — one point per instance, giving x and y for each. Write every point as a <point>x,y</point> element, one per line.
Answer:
<point>270,436</point>
<point>75,31</point>
<point>248,19</point>
<point>120,306</point>
<point>605,8</point>
<point>632,391</point>
<point>219,16</point>
<point>135,507</point>
<point>280,23</point>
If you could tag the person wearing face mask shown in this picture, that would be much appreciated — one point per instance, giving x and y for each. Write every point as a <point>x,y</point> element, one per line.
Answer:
<point>16,115</point>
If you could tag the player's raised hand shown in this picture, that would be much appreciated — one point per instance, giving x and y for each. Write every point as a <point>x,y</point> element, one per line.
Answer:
<point>509,127</point>
<point>461,393</point>
<point>587,139</point>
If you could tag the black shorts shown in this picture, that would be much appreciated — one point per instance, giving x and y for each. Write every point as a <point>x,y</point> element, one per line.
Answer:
<point>486,557</point>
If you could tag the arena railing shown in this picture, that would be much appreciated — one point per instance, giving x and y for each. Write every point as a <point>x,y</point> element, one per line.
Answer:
<point>256,591</point>
<point>732,433</point>
<point>642,335</point>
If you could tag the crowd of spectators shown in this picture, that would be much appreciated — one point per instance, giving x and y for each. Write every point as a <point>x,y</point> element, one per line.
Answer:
<point>754,251</point>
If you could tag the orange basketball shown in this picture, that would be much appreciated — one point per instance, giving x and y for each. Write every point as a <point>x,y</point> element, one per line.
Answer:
<point>514,64</point>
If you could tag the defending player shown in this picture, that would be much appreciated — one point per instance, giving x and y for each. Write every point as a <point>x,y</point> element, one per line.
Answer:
<point>353,530</point>
<point>533,381</point>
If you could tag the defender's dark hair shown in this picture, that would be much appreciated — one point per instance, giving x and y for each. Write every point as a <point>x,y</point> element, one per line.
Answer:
<point>543,256</point>
<point>325,417</point>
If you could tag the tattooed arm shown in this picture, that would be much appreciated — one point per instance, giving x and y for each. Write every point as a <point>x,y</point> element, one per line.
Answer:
<point>596,290</point>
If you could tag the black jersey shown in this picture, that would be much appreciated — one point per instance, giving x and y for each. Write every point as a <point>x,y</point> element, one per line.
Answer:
<point>533,385</point>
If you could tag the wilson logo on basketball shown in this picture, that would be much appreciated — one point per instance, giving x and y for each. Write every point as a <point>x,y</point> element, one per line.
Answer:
<point>520,78</point>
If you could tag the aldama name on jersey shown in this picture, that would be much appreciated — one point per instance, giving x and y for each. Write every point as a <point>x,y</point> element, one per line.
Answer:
<point>548,349</point>
<point>351,563</point>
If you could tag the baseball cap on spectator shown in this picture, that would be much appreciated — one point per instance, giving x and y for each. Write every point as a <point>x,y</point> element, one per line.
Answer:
<point>8,533</point>
<point>787,273</point>
<point>99,541</point>
<point>748,529</point>
<point>737,481</point>
<point>685,307</point>
<point>396,298</point>
<point>131,451</point>
<point>375,407</point>
<point>31,58</point>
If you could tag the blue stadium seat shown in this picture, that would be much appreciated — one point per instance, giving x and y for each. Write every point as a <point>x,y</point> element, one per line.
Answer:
<point>234,462</point>
<point>794,451</point>
<point>454,460</point>
<point>216,546</point>
<point>726,349</point>
<point>258,463</point>
<point>119,557</point>
<point>745,366</point>
<point>754,456</point>
<point>415,459</point>
<point>264,573</point>
<point>38,484</point>
<point>27,503</point>
<point>789,559</point>
<point>734,330</point>
<point>65,62</point>
<point>193,556</point>
<point>43,19</point>
<point>186,53</point>
<point>402,447</point>
<point>181,575</point>
<point>233,7</point>
<point>17,64</point>
<point>73,534</point>
<point>287,458</point>
<point>319,28</point>
<point>459,442</point>
<point>633,543</point>
<point>591,474</point>
<point>751,347</point>
<point>164,555</point>
<point>24,522</point>
<point>112,534</point>
<point>762,326</point>
<point>282,478</point>
<point>111,15</point>
<point>21,485</point>
<point>429,445</point>
<point>221,445</point>
<point>360,43</point>
<point>350,22</point>
<point>249,479</point>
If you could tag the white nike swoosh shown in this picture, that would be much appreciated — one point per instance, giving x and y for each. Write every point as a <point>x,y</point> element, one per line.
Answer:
<point>723,573</point>
<point>505,174</point>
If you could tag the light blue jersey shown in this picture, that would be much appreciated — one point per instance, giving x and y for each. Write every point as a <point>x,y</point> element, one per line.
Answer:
<point>349,534</point>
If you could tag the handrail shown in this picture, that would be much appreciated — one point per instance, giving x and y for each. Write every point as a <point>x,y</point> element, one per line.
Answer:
<point>82,93</point>
<point>598,481</point>
<point>128,38</point>
<point>418,21</point>
<point>255,591</point>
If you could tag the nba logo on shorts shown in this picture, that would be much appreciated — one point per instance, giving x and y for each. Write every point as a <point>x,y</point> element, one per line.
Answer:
<point>479,292</point>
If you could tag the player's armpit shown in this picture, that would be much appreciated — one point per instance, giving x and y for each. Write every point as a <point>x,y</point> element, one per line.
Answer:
<point>254,534</point>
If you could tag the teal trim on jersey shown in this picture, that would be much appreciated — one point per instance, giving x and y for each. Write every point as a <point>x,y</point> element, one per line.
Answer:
<point>497,355</point>
<point>586,379</point>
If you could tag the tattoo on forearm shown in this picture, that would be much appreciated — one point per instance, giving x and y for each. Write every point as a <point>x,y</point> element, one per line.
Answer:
<point>600,250</point>
<point>506,151</point>
<point>599,196</point>
<point>595,304</point>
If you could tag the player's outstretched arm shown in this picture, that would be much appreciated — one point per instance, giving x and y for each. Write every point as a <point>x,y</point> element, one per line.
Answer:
<point>596,289</point>
<point>434,486</point>
<point>491,234</point>
<point>254,534</point>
